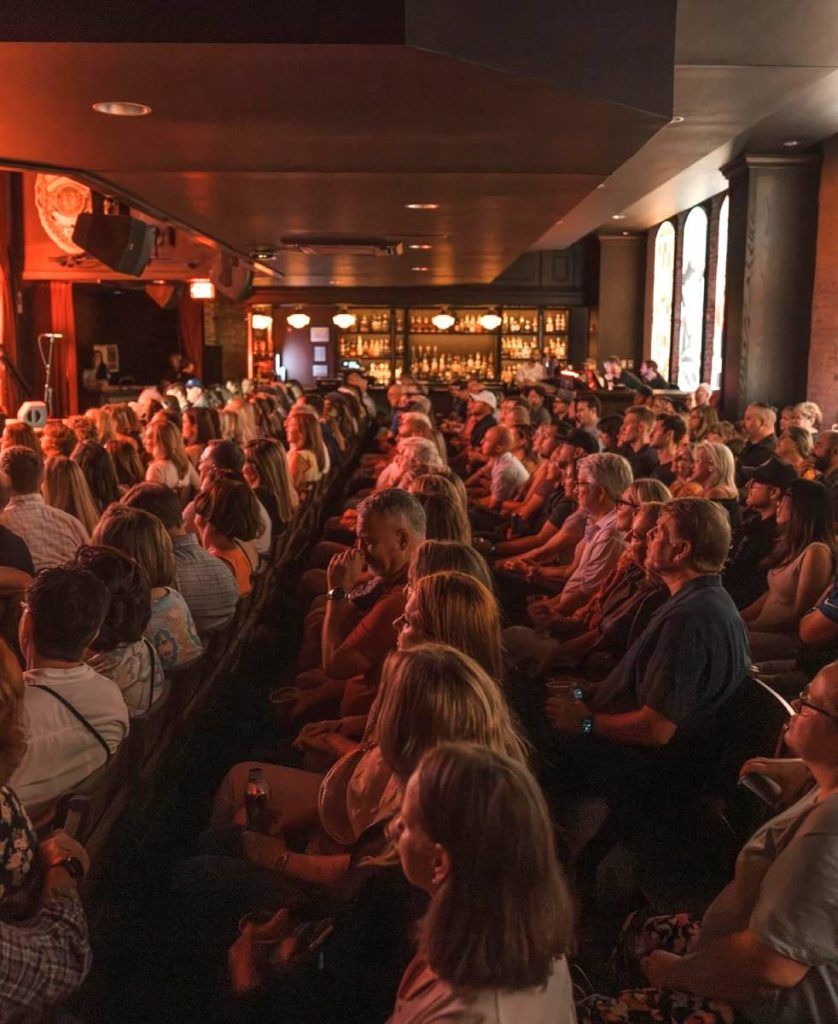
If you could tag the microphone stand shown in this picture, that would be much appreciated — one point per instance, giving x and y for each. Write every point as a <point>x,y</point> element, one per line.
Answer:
<point>47,361</point>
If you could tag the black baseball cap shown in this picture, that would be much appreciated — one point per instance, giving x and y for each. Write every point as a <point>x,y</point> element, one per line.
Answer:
<point>774,473</point>
<point>582,439</point>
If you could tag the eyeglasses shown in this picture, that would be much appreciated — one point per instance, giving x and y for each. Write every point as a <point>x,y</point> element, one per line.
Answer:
<point>803,700</point>
<point>627,503</point>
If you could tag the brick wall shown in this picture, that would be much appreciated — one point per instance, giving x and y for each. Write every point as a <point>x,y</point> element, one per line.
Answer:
<point>823,351</point>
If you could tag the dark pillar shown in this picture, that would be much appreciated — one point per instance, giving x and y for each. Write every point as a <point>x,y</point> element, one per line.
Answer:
<point>770,268</point>
<point>622,282</point>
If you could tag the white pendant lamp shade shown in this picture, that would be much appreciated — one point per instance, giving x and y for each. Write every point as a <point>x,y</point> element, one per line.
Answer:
<point>344,320</point>
<point>490,321</point>
<point>298,320</point>
<point>442,321</point>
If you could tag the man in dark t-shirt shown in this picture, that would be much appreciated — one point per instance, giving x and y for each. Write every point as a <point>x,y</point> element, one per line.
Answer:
<point>14,554</point>
<point>667,434</point>
<point>758,424</point>
<point>634,441</point>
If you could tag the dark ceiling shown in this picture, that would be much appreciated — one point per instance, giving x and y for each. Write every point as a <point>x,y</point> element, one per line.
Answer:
<point>506,116</point>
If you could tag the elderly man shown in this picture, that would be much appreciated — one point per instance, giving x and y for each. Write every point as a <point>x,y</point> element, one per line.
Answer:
<point>767,946</point>
<point>758,424</point>
<point>358,635</point>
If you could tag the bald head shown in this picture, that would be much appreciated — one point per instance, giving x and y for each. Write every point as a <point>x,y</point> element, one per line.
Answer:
<point>496,441</point>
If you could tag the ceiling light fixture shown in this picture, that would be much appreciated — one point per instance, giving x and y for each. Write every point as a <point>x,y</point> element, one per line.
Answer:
<point>420,270</point>
<point>676,119</point>
<point>490,321</point>
<point>618,216</point>
<point>298,320</point>
<point>443,321</point>
<point>344,320</point>
<point>122,108</point>
<point>201,288</point>
<point>791,143</point>
<point>420,246</point>
<point>421,206</point>
<point>262,321</point>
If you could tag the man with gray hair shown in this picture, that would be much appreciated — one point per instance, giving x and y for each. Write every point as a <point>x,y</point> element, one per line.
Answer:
<point>357,635</point>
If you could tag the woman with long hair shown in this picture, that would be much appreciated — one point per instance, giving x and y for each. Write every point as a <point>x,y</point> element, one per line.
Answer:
<point>444,518</point>
<point>307,459</point>
<point>443,482</point>
<point>227,518</point>
<point>65,487</point>
<point>700,422</point>
<point>142,536</point>
<point>129,468</point>
<point>456,609</point>
<point>103,418</point>
<point>683,486</point>
<point>266,471</point>
<point>100,472</point>
<point>474,833</point>
<point>801,566</point>
<point>169,464</point>
<point>714,469</point>
<point>20,433</point>
<point>794,446</point>
<point>198,431</point>
<point>120,651</point>
<point>127,424</point>
<point>435,556</point>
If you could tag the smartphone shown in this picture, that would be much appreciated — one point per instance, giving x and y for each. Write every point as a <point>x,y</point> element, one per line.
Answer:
<point>71,814</point>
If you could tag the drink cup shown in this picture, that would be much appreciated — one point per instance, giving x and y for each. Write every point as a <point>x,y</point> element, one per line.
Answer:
<point>282,701</point>
<point>557,688</point>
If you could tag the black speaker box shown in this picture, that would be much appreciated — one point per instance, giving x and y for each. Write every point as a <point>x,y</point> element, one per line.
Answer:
<point>121,242</point>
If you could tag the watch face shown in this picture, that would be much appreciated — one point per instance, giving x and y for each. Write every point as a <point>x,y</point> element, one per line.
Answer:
<point>587,725</point>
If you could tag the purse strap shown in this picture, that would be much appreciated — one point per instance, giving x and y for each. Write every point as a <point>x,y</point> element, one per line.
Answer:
<point>79,716</point>
<point>153,662</point>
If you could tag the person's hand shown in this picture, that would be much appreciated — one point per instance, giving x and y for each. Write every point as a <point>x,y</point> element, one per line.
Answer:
<point>263,851</point>
<point>10,668</point>
<point>790,773</point>
<point>539,613</point>
<point>60,845</point>
<point>566,714</point>
<point>657,967</point>
<point>244,961</point>
<point>307,700</point>
<point>311,736</point>
<point>345,569</point>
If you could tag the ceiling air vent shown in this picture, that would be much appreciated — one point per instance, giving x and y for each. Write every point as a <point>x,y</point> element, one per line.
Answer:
<point>337,245</point>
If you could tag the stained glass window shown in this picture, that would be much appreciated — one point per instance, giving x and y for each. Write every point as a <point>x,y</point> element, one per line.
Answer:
<point>693,265</point>
<point>719,315</point>
<point>661,340</point>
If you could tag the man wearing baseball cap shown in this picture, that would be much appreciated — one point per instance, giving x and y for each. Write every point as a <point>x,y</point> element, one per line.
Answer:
<point>482,408</point>
<point>744,577</point>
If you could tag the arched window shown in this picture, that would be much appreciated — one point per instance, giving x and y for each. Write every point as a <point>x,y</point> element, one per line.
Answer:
<point>721,279</point>
<point>661,340</point>
<point>693,264</point>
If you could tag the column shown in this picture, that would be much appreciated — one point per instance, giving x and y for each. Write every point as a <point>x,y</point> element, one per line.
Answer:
<point>622,283</point>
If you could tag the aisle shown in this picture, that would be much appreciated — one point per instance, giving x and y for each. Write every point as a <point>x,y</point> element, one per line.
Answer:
<point>150,962</point>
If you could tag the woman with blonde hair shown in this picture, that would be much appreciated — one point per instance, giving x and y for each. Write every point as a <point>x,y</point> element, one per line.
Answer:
<point>266,471</point>
<point>435,556</point>
<point>807,415</point>
<point>443,482</point>
<point>683,486</point>
<point>169,464</point>
<point>700,422</point>
<point>714,470</point>
<point>307,458</point>
<point>20,433</point>
<point>457,609</point>
<point>65,487</point>
<point>143,537</point>
<point>103,418</point>
<point>126,423</point>
<point>474,833</point>
<point>445,518</point>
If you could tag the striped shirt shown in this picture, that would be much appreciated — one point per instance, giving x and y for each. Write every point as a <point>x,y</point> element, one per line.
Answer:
<point>52,535</point>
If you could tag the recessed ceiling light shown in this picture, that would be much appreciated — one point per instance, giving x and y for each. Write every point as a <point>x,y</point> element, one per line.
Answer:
<point>791,143</point>
<point>423,246</point>
<point>421,206</point>
<point>601,185</point>
<point>626,232</point>
<point>676,119</point>
<point>420,269</point>
<point>122,108</point>
<point>618,216</point>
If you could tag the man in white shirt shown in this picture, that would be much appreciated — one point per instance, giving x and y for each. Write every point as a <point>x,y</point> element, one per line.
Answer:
<point>505,472</point>
<point>75,719</point>
<point>52,535</point>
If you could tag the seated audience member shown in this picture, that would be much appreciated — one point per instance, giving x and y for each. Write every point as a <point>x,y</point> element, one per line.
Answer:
<point>120,651</point>
<point>808,416</point>
<point>457,609</point>
<point>307,454</point>
<point>765,949</point>
<point>561,406</point>
<point>103,420</point>
<point>700,422</point>
<point>667,433</point>
<point>545,440</point>
<point>445,518</point>
<point>799,568</point>
<point>83,427</point>
<point>413,457</point>
<point>609,428</point>
<point>208,587</point>
<point>794,446</point>
<point>227,518</point>
<point>75,717</point>
<point>474,832</point>
<point>356,638</point>
<point>266,471</point>
<point>758,426</point>
<point>642,456</point>
<point>143,537</point>
<point>826,457</point>
<point>18,433</point>
<point>198,431</point>
<point>683,486</point>
<point>684,666</point>
<point>522,447</point>
<point>714,469</point>
<point>503,476</point>
<point>127,425</point>
<point>536,399</point>
<point>57,439</point>
<point>702,395</point>
<point>591,375</point>
<point>100,472</point>
<point>482,416</point>
<point>65,487</point>
<point>126,461</point>
<point>435,556</point>
<point>169,464</point>
<point>746,575</point>
<point>651,376</point>
<point>617,376</point>
<point>14,555</point>
<point>51,534</point>
<point>588,412</point>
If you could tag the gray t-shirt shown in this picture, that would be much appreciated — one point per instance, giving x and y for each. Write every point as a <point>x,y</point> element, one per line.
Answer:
<point>786,891</point>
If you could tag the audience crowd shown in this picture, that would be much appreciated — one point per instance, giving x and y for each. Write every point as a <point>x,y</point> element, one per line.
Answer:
<point>540,648</point>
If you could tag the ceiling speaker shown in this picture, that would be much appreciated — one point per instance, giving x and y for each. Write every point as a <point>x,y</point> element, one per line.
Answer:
<point>120,241</point>
<point>166,295</point>
<point>232,277</point>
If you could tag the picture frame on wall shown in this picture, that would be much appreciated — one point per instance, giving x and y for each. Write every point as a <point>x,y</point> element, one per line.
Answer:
<point>320,354</point>
<point>319,335</point>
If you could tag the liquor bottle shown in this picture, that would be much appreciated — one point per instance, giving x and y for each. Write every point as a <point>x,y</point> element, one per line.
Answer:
<point>256,801</point>
<point>548,323</point>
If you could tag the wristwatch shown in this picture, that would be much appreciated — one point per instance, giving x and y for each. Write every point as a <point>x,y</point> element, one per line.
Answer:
<point>587,725</point>
<point>73,867</point>
<point>336,594</point>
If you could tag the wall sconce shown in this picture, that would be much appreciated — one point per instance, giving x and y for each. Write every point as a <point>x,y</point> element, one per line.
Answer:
<point>201,288</point>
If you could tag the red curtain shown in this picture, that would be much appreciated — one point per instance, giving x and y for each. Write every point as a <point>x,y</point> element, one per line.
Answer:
<point>190,329</point>
<point>64,376</point>
<point>10,394</point>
